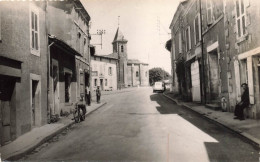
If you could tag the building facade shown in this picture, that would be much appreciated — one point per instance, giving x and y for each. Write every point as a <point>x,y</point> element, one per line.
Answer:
<point>23,70</point>
<point>243,44</point>
<point>104,73</point>
<point>227,51</point>
<point>44,66</point>
<point>128,72</point>
<point>69,71</point>
<point>137,73</point>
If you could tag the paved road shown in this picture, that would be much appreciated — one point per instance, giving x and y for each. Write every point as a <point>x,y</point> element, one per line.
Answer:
<point>145,126</point>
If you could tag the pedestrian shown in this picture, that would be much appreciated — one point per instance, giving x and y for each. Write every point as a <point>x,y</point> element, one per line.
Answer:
<point>239,109</point>
<point>98,93</point>
<point>88,95</point>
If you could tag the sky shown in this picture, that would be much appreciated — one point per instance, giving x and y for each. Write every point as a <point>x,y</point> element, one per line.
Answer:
<point>144,23</point>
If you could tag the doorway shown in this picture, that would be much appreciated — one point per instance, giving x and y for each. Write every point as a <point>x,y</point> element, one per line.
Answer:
<point>35,101</point>
<point>101,84</point>
<point>195,81</point>
<point>213,75</point>
<point>7,106</point>
<point>55,84</point>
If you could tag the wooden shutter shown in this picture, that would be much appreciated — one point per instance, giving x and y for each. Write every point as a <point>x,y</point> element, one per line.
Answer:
<point>237,79</point>
<point>250,79</point>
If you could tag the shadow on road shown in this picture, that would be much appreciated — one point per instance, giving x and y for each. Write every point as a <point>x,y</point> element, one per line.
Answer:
<point>228,148</point>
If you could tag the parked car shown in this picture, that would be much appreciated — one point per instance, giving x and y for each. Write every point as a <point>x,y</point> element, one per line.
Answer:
<point>158,87</point>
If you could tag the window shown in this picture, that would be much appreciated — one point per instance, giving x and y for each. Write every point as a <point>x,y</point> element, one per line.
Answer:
<point>95,82</point>
<point>209,12</point>
<point>137,74</point>
<point>34,30</point>
<point>146,74</point>
<point>180,43</point>
<point>122,48</point>
<point>188,40</point>
<point>110,71</point>
<point>197,31</point>
<point>240,18</point>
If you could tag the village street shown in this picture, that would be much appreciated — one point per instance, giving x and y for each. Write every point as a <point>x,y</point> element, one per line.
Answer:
<point>143,126</point>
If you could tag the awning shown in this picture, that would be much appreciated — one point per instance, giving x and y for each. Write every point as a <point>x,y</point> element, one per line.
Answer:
<point>63,45</point>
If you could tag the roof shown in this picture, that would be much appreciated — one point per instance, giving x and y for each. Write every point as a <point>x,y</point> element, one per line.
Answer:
<point>110,56</point>
<point>119,36</point>
<point>135,61</point>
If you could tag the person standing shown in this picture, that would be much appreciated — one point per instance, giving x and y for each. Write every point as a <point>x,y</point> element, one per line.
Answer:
<point>98,93</point>
<point>239,109</point>
<point>88,95</point>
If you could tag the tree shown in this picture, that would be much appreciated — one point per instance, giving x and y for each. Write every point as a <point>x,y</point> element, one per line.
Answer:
<point>158,74</point>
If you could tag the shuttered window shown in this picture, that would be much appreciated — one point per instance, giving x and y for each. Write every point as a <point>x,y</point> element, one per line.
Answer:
<point>34,30</point>
<point>250,79</point>
<point>188,40</point>
<point>209,12</point>
<point>240,18</point>
<point>180,43</point>
<point>197,31</point>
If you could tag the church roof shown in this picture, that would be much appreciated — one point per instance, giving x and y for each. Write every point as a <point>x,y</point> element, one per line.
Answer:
<point>112,55</point>
<point>119,36</point>
<point>135,61</point>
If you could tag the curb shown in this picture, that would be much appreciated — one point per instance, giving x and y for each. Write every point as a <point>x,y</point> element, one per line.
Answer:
<point>245,136</point>
<point>45,139</point>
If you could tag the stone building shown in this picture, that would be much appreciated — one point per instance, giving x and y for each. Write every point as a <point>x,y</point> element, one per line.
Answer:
<point>23,70</point>
<point>229,44</point>
<point>44,66</point>
<point>129,72</point>
<point>215,61</point>
<point>243,51</point>
<point>104,72</point>
<point>137,73</point>
<point>69,52</point>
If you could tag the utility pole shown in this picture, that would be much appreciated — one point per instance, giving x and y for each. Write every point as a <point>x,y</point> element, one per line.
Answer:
<point>100,32</point>
<point>202,58</point>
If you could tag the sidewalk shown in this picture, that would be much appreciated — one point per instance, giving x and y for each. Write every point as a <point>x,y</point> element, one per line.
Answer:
<point>249,129</point>
<point>39,135</point>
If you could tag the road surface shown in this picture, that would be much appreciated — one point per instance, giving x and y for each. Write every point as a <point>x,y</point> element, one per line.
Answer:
<point>145,126</point>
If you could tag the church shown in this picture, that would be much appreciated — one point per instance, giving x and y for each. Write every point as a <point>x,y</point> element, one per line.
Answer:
<point>116,71</point>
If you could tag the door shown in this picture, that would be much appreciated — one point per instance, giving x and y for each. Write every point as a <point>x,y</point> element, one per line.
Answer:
<point>7,85</point>
<point>214,75</point>
<point>35,101</point>
<point>101,84</point>
<point>56,97</point>
<point>195,81</point>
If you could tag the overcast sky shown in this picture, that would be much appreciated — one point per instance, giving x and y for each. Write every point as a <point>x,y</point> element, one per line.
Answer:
<point>144,23</point>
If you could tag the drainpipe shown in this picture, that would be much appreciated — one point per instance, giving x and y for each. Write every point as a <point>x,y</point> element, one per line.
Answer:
<point>202,58</point>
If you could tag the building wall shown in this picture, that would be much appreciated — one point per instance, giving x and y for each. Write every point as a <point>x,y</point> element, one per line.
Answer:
<point>71,27</point>
<point>143,75</point>
<point>242,61</point>
<point>100,70</point>
<point>15,45</point>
